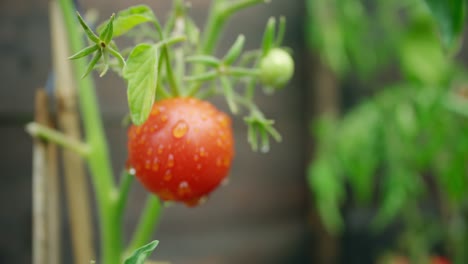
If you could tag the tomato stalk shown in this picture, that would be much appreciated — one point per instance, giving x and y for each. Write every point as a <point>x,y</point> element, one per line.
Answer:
<point>98,157</point>
<point>147,224</point>
<point>221,11</point>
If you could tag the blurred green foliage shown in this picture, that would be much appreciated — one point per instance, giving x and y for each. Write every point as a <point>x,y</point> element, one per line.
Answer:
<point>404,149</point>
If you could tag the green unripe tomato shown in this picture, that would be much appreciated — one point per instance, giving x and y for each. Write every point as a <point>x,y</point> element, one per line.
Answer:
<point>276,68</point>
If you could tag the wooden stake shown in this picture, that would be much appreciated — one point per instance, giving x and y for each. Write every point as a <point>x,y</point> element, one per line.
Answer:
<point>78,195</point>
<point>40,239</point>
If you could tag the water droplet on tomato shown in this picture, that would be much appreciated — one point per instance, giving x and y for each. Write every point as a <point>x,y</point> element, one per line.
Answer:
<point>180,129</point>
<point>132,171</point>
<point>164,118</point>
<point>203,152</point>
<point>170,161</point>
<point>149,151</point>
<point>167,175</point>
<point>202,200</point>
<point>184,188</point>
<point>147,164</point>
<point>218,162</point>
<point>196,157</point>
<point>199,166</point>
<point>225,182</point>
<point>219,143</point>
<point>160,149</point>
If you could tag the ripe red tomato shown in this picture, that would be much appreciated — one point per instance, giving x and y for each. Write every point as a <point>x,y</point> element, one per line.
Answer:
<point>439,260</point>
<point>183,151</point>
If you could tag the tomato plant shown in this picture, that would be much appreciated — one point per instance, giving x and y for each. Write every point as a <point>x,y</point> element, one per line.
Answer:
<point>183,151</point>
<point>180,147</point>
<point>402,150</point>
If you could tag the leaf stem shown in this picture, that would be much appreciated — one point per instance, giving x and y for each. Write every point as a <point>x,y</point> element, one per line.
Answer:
<point>124,189</point>
<point>40,131</point>
<point>148,222</point>
<point>220,12</point>
<point>98,157</point>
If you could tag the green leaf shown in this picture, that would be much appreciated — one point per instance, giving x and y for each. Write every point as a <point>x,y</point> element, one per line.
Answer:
<point>84,52</point>
<point>229,94</point>
<point>202,77</point>
<point>140,255</point>
<point>422,58</point>
<point>192,31</point>
<point>107,33</point>
<point>92,64</point>
<point>281,31</point>
<point>130,18</point>
<point>450,17</point>
<point>204,59</point>
<point>269,36</point>
<point>88,30</point>
<point>329,191</point>
<point>142,72</point>
<point>235,51</point>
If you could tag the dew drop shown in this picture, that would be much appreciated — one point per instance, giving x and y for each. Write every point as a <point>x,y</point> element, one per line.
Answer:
<point>184,188</point>
<point>202,200</point>
<point>170,161</point>
<point>168,204</point>
<point>219,143</point>
<point>160,149</point>
<point>180,129</point>
<point>197,201</point>
<point>155,166</point>
<point>196,157</point>
<point>147,164</point>
<point>199,166</point>
<point>225,182</point>
<point>218,162</point>
<point>167,175</point>
<point>203,152</point>
<point>226,161</point>
<point>265,148</point>
<point>149,151</point>
<point>163,118</point>
<point>132,171</point>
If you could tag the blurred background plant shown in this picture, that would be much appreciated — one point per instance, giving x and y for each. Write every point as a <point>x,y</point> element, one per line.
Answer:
<point>401,149</point>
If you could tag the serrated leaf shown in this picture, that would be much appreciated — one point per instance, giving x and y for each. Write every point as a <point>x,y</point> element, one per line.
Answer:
<point>140,255</point>
<point>129,18</point>
<point>141,73</point>
<point>328,190</point>
<point>450,17</point>
<point>422,57</point>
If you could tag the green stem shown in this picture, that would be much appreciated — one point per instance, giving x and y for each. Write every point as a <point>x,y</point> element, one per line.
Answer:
<point>38,130</point>
<point>147,224</point>
<point>124,189</point>
<point>220,12</point>
<point>98,157</point>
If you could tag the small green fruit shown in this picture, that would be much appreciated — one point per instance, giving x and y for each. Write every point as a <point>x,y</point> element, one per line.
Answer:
<point>276,68</point>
